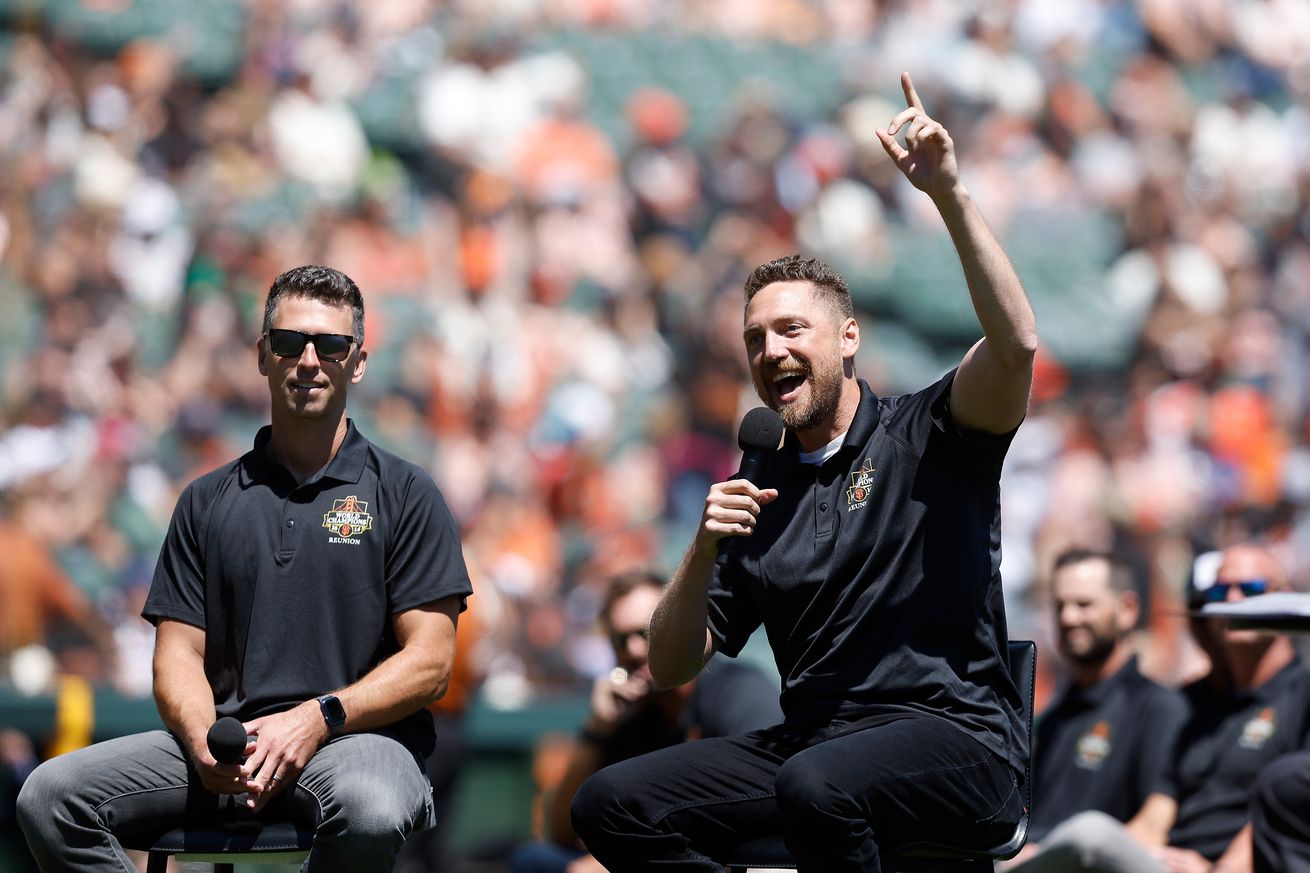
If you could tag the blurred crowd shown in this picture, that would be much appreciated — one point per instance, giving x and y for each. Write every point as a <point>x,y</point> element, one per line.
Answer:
<point>551,205</point>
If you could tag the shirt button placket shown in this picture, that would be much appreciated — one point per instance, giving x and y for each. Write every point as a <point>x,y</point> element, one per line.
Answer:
<point>289,529</point>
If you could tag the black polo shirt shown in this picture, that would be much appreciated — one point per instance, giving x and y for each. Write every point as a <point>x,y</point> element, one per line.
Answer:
<point>1228,738</point>
<point>877,576</point>
<point>295,585</point>
<point>1104,747</point>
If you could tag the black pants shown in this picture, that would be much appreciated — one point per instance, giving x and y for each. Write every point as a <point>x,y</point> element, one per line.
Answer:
<point>1280,816</point>
<point>836,799</point>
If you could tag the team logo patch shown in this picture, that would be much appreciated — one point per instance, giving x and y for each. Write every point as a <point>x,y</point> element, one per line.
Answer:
<point>348,519</point>
<point>1093,746</point>
<point>1257,731</point>
<point>861,486</point>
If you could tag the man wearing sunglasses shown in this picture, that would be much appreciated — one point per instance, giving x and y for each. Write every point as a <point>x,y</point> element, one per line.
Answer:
<point>311,589</point>
<point>630,717</point>
<point>1248,711</point>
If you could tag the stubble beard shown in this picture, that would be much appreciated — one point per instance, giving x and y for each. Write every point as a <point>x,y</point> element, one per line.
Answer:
<point>825,393</point>
<point>1099,650</point>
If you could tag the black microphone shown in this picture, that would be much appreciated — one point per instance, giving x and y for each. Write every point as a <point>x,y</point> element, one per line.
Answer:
<point>227,740</point>
<point>758,437</point>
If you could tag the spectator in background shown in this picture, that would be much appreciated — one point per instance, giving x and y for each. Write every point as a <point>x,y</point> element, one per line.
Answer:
<point>630,717</point>
<point>1102,746</point>
<point>39,604</point>
<point>1247,712</point>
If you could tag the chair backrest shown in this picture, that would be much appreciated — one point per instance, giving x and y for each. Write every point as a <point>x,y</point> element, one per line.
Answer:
<point>1023,670</point>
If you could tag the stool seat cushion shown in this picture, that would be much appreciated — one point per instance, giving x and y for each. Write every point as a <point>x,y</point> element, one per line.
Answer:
<point>238,837</point>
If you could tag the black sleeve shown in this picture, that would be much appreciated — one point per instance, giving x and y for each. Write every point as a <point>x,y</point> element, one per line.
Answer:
<point>1162,719</point>
<point>731,699</point>
<point>731,611</point>
<point>425,560</point>
<point>178,588</point>
<point>1168,781</point>
<point>924,419</point>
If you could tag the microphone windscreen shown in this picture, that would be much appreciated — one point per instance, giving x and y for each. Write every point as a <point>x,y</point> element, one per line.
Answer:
<point>761,430</point>
<point>227,740</point>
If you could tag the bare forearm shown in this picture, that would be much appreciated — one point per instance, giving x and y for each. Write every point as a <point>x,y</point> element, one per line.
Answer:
<point>1151,825</point>
<point>679,636</point>
<point>183,696</point>
<point>998,297</point>
<point>1238,857</point>
<point>399,686</point>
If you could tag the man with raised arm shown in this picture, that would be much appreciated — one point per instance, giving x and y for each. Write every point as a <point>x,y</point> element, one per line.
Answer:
<point>869,550</point>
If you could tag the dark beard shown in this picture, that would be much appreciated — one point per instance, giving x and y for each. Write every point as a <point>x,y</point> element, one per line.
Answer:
<point>825,394</point>
<point>1099,653</point>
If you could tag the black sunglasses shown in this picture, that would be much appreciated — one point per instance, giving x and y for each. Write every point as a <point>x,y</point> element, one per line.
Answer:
<point>291,344</point>
<point>1218,592</point>
<point>619,639</point>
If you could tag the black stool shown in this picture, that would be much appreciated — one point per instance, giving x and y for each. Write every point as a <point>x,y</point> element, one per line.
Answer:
<point>769,853</point>
<point>274,842</point>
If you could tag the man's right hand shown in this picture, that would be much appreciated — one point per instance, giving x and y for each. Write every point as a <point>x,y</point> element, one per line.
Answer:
<point>216,777</point>
<point>732,508</point>
<point>612,702</point>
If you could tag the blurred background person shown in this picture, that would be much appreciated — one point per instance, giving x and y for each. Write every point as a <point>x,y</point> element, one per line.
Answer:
<point>1102,746</point>
<point>630,717</point>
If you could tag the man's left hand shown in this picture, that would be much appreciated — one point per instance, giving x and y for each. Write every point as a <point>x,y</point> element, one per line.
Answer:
<point>928,157</point>
<point>285,741</point>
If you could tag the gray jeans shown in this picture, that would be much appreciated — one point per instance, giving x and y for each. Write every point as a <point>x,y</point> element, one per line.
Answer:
<point>1090,842</point>
<point>364,793</point>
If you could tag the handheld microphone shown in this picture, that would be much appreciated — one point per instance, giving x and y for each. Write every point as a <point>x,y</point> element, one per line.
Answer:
<point>757,437</point>
<point>227,740</point>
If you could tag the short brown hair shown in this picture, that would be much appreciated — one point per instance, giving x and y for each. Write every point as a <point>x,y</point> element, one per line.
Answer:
<point>1121,574</point>
<point>323,284</point>
<point>622,585</point>
<point>794,268</point>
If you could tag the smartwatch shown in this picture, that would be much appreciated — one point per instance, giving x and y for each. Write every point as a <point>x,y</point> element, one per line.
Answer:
<point>333,713</point>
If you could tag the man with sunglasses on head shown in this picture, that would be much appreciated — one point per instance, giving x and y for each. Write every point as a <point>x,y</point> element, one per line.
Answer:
<point>311,589</point>
<point>629,716</point>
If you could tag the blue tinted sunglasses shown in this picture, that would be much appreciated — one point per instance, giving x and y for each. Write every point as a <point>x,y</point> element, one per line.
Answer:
<point>1218,592</point>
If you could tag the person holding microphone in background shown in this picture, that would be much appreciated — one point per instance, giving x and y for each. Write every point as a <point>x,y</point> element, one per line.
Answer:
<point>868,547</point>
<point>311,588</point>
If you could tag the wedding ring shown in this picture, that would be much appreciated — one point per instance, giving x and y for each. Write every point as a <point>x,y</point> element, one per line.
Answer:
<point>277,778</point>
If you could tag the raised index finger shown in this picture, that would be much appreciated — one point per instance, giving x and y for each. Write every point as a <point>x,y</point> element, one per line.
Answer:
<point>911,96</point>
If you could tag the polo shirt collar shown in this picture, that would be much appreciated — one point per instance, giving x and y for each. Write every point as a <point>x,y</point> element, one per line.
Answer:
<point>1267,693</point>
<point>1098,691</point>
<point>857,435</point>
<point>1277,684</point>
<point>347,465</point>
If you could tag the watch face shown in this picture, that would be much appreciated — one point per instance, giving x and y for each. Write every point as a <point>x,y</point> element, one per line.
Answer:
<point>333,711</point>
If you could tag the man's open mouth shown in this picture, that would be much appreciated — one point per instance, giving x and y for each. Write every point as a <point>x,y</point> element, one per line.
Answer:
<point>787,385</point>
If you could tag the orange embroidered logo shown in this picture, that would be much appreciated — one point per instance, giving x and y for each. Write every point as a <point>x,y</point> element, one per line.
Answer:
<point>348,519</point>
<point>1094,746</point>
<point>1257,731</point>
<point>861,485</point>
